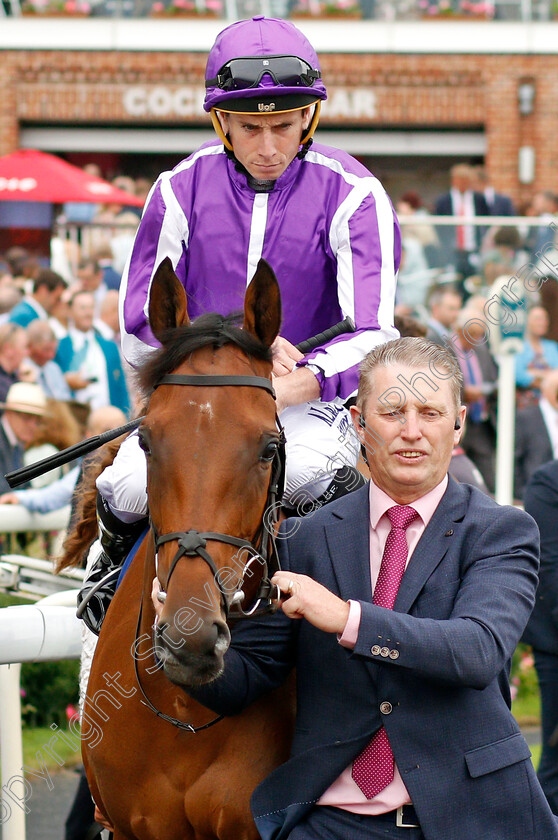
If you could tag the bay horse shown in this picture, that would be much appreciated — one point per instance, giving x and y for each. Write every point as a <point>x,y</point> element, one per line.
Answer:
<point>160,765</point>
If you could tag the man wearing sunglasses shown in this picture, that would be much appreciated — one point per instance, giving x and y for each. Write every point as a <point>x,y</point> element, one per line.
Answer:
<point>321,220</point>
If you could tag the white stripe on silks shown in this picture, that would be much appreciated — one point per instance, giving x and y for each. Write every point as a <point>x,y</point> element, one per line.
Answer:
<point>340,242</point>
<point>174,231</point>
<point>134,350</point>
<point>257,234</point>
<point>351,351</point>
<point>219,149</point>
<point>386,223</point>
<point>363,186</point>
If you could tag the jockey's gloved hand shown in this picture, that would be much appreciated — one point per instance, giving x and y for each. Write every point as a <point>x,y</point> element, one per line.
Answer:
<point>117,538</point>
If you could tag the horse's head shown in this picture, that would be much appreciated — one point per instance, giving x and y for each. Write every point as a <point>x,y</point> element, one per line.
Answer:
<point>212,445</point>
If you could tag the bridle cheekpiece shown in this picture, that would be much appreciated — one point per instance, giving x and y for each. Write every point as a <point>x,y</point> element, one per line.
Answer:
<point>194,543</point>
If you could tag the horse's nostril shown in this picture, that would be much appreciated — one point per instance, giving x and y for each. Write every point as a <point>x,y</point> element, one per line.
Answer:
<point>223,637</point>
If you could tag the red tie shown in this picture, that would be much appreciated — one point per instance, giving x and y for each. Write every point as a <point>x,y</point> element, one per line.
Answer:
<point>373,768</point>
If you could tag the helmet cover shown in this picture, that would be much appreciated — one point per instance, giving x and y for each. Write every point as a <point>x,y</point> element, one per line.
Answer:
<point>261,36</point>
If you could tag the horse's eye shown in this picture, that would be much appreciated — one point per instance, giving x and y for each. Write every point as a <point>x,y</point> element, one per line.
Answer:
<point>143,443</point>
<point>270,450</point>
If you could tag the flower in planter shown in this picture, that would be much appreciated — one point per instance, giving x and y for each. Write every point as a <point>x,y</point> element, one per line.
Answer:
<point>479,9</point>
<point>340,8</point>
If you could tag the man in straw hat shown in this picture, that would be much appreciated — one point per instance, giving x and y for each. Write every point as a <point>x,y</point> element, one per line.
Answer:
<point>24,407</point>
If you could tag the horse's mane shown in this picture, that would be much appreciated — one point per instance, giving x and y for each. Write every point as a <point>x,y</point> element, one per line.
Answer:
<point>207,330</point>
<point>83,527</point>
<point>177,344</point>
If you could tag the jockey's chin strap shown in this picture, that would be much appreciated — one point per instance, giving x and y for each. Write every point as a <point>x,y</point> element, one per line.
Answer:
<point>194,543</point>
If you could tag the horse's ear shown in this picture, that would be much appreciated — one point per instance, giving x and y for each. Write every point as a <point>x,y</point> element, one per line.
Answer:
<point>167,303</point>
<point>262,305</point>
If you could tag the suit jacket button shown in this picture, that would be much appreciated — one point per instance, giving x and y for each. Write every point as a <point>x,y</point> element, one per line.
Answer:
<point>386,708</point>
<point>384,652</point>
<point>375,649</point>
<point>394,654</point>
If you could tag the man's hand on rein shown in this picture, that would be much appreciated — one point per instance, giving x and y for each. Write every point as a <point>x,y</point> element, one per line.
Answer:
<point>305,598</point>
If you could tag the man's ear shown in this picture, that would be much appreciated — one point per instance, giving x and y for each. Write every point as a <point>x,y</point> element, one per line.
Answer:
<point>459,427</point>
<point>306,117</point>
<point>223,119</point>
<point>358,423</point>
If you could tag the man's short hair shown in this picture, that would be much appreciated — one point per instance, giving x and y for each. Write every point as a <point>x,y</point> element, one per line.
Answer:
<point>461,170</point>
<point>438,293</point>
<point>89,262</point>
<point>39,331</point>
<point>434,360</point>
<point>50,279</point>
<point>80,293</point>
<point>8,332</point>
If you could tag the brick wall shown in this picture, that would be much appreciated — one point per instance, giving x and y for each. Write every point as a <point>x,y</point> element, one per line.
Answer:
<point>412,91</point>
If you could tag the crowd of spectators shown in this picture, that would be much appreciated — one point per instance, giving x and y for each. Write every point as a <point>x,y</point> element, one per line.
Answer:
<point>448,277</point>
<point>60,365</point>
<point>59,329</point>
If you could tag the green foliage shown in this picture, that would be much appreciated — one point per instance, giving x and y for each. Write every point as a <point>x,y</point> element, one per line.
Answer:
<point>47,688</point>
<point>9,599</point>
<point>523,675</point>
<point>36,740</point>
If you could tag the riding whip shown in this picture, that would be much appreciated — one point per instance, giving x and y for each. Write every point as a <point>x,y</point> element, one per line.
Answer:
<point>78,450</point>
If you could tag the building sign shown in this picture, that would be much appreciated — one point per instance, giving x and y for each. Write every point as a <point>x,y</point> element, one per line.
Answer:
<point>187,101</point>
<point>350,104</point>
<point>164,102</point>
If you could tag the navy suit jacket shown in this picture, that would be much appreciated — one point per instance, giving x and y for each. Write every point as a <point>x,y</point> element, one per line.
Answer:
<point>502,205</point>
<point>11,458</point>
<point>533,446</point>
<point>447,235</point>
<point>541,501</point>
<point>442,668</point>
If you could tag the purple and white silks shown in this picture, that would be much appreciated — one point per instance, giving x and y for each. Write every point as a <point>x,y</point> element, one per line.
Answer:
<point>327,229</point>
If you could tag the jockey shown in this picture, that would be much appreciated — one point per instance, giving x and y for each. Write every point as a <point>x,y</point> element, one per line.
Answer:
<point>322,221</point>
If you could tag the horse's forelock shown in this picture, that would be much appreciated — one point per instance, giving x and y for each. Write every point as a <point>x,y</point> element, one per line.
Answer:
<point>207,330</point>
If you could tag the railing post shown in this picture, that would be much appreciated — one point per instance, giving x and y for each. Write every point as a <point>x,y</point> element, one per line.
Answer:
<point>12,808</point>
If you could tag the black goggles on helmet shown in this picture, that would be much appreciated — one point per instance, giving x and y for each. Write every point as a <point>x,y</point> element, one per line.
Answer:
<point>245,73</point>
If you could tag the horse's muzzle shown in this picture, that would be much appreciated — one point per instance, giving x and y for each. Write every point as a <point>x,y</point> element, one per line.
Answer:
<point>192,659</point>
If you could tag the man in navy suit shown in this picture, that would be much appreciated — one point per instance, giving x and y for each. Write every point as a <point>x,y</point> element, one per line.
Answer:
<point>403,725</point>
<point>460,244</point>
<point>498,203</point>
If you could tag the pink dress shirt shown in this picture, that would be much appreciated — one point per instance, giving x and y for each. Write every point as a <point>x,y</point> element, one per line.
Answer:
<point>344,792</point>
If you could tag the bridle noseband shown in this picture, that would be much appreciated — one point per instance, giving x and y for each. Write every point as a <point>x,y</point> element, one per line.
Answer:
<point>193,543</point>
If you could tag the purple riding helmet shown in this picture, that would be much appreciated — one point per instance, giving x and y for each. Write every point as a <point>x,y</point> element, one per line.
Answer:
<point>262,66</point>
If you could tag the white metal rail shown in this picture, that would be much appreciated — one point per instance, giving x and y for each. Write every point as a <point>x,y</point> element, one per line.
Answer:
<point>40,632</point>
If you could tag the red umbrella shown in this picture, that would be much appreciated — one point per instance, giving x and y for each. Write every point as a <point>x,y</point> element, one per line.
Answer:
<point>29,175</point>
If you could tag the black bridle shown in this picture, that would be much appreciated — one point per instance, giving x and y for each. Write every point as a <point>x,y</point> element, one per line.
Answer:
<point>262,549</point>
<point>193,543</point>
